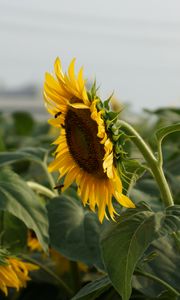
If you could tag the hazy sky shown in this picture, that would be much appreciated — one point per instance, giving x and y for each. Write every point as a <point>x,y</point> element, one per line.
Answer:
<point>131,47</point>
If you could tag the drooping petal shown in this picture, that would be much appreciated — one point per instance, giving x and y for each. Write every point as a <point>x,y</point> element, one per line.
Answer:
<point>14,274</point>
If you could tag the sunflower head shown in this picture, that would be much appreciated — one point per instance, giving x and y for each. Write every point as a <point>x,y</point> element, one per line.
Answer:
<point>14,273</point>
<point>85,151</point>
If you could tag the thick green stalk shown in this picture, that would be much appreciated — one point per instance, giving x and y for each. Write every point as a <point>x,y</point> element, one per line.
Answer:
<point>152,162</point>
<point>75,275</point>
<point>163,185</point>
<point>41,189</point>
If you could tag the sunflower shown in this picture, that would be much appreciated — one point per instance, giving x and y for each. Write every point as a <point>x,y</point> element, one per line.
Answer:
<point>33,242</point>
<point>84,152</point>
<point>14,273</point>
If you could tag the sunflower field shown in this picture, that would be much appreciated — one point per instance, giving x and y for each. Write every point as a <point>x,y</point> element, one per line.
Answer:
<point>89,201</point>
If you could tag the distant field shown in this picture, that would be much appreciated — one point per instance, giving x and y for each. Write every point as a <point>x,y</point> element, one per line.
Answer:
<point>28,104</point>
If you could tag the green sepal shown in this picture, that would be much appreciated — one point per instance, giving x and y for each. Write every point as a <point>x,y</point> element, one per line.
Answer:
<point>111,117</point>
<point>106,102</point>
<point>92,93</point>
<point>4,254</point>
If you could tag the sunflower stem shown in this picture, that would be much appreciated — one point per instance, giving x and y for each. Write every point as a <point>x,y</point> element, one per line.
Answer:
<point>41,189</point>
<point>153,164</point>
<point>75,275</point>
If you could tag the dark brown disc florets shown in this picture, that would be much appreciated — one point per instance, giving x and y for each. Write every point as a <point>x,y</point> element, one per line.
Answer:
<point>84,145</point>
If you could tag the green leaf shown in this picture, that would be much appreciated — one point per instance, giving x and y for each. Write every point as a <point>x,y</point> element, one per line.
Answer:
<point>164,266</point>
<point>169,114</point>
<point>32,154</point>
<point>124,243</point>
<point>94,289</point>
<point>167,296</point>
<point>24,123</point>
<point>74,231</point>
<point>163,132</point>
<point>171,221</point>
<point>13,232</point>
<point>2,145</point>
<point>19,200</point>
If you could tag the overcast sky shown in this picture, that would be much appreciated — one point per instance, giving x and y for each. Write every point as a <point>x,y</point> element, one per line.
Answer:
<point>131,47</point>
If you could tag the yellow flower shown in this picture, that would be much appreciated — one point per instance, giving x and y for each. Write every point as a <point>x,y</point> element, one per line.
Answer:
<point>33,242</point>
<point>84,152</point>
<point>15,273</point>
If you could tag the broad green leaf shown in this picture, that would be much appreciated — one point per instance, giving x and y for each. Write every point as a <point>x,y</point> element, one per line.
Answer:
<point>168,296</point>
<point>163,132</point>
<point>2,145</point>
<point>171,222</point>
<point>165,266</point>
<point>32,154</point>
<point>74,231</point>
<point>13,232</point>
<point>124,244</point>
<point>24,123</point>
<point>163,110</point>
<point>19,200</point>
<point>93,289</point>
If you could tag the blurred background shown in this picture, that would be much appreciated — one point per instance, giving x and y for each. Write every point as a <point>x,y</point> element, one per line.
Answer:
<point>130,47</point>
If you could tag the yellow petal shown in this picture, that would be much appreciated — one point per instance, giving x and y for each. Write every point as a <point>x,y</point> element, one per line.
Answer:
<point>3,287</point>
<point>70,178</point>
<point>79,105</point>
<point>71,72</point>
<point>124,200</point>
<point>58,70</point>
<point>85,191</point>
<point>80,79</point>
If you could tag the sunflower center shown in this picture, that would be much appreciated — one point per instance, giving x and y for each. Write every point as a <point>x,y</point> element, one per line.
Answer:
<point>83,143</point>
